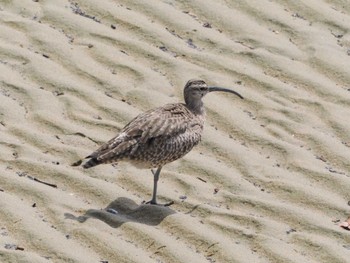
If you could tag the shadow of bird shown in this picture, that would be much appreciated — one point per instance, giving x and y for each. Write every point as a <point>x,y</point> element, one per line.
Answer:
<point>159,136</point>
<point>124,210</point>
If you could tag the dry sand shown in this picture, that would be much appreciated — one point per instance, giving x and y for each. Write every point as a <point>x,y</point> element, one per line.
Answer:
<point>72,74</point>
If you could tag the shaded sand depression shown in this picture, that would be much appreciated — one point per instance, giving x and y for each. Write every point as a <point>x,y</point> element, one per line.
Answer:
<point>269,181</point>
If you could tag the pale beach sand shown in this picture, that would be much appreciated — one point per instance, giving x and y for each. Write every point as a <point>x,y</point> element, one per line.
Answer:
<point>270,181</point>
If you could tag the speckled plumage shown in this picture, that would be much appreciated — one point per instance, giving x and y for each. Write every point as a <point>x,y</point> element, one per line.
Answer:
<point>153,138</point>
<point>160,135</point>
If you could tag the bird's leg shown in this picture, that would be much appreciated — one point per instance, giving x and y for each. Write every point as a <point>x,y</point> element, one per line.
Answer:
<point>155,183</point>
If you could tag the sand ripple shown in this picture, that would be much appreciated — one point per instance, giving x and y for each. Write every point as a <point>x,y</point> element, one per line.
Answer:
<point>268,183</point>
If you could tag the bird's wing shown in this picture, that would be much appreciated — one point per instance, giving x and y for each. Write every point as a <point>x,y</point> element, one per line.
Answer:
<point>164,121</point>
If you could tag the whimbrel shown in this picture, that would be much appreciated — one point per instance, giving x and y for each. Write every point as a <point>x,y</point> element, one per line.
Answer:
<point>159,136</point>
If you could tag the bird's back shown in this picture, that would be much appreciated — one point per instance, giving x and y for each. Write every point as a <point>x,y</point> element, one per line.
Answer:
<point>153,138</point>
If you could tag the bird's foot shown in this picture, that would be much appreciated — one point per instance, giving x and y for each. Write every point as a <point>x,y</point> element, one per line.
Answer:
<point>151,202</point>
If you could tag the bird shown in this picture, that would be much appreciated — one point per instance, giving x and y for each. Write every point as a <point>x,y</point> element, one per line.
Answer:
<point>160,135</point>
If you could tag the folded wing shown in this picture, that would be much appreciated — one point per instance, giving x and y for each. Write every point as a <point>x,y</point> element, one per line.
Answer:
<point>166,122</point>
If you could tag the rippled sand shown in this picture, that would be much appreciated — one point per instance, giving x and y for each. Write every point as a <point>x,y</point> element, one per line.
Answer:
<point>269,181</point>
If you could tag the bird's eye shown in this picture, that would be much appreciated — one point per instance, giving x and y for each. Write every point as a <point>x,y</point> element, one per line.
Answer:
<point>203,89</point>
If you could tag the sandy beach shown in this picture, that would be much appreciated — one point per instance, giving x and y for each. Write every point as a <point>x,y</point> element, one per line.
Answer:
<point>270,180</point>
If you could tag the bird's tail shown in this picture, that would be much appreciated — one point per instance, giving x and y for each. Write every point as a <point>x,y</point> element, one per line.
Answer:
<point>90,163</point>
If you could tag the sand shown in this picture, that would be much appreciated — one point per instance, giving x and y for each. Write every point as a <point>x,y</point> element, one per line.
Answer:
<point>270,181</point>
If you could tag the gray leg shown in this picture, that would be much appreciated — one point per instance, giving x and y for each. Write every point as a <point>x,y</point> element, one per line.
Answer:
<point>155,182</point>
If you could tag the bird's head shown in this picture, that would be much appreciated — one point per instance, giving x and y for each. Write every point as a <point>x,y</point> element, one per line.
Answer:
<point>196,89</point>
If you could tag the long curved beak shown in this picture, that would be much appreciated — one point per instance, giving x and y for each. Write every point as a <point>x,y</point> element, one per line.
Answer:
<point>211,89</point>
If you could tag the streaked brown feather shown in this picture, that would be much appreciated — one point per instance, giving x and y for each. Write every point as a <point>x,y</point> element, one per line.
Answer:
<point>158,125</point>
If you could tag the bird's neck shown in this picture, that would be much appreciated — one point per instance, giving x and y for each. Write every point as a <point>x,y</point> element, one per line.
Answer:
<point>195,106</point>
